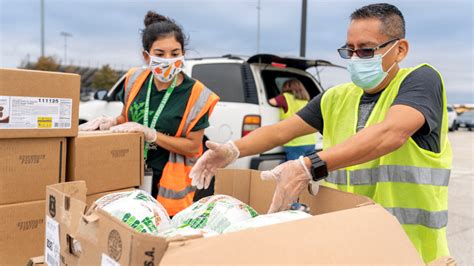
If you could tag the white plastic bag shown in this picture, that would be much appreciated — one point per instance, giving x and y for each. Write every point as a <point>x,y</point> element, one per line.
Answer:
<point>187,231</point>
<point>267,219</point>
<point>215,213</point>
<point>138,209</point>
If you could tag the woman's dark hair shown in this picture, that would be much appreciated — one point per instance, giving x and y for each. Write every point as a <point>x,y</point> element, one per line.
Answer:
<point>158,27</point>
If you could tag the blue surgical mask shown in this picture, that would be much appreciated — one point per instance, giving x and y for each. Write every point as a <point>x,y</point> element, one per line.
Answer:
<point>368,73</point>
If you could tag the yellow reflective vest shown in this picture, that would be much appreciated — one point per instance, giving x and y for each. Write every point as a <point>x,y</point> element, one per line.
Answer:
<point>294,105</point>
<point>411,183</point>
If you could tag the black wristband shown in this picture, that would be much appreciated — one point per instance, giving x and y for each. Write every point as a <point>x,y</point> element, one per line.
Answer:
<point>319,168</point>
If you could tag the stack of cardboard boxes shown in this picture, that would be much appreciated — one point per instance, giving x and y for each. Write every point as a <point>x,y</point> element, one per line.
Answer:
<point>40,146</point>
<point>38,111</point>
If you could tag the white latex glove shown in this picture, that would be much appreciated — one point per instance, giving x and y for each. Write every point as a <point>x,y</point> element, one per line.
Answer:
<point>150,133</point>
<point>218,156</point>
<point>99,123</point>
<point>291,178</point>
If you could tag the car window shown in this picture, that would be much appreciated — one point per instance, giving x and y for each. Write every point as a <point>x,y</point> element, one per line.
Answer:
<point>273,81</point>
<point>116,92</point>
<point>450,109</point>
<point>468,114</point>
<point>330,76</point>
<point>225,79</point>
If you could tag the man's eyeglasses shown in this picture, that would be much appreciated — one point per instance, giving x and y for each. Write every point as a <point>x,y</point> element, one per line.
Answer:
<point>363,53</point>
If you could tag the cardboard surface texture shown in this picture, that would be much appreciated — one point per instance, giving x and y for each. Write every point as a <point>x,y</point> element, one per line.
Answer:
<point>27,166</point>
<point>106,161</point>
<point>38,104</point>
<point>21,232</point>
<point>360,232</point>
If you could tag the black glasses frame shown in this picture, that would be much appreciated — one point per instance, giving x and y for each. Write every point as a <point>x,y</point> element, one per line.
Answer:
<point>363,53</point>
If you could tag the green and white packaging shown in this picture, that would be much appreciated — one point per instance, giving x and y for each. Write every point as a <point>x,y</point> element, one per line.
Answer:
<point>267,219</point>
<point>214,213</point>
<point>187,231</point>
<point>138,209</point>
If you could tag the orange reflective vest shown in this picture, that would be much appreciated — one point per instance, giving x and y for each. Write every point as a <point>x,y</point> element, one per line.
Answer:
<point>175,191</point>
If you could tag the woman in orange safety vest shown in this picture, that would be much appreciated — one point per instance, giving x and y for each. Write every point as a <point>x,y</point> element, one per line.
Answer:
<point>169,107</point>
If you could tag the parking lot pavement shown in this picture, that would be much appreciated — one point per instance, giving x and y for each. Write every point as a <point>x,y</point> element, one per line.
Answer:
<point>461,188</point>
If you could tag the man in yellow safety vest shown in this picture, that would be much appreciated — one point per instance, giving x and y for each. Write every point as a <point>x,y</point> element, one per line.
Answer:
<point>384,134</point>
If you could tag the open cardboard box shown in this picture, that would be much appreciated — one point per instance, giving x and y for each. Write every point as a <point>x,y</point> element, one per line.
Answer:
<point>345,229</point>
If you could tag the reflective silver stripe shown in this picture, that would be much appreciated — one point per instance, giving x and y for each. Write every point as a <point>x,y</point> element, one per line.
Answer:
<point>131,81</point>
<point>401,173</point>
<point>178,158</point>
<point>435,219</point>
<point>171,194</point>
<point>337,177</point>
<point>193,113</point>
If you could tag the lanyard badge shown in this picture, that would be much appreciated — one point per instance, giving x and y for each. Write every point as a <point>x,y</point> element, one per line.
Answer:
<point>158,112</point>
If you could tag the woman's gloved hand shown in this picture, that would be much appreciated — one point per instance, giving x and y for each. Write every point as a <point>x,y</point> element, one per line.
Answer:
<point>291,178</point>
<point>150,133</point>
<point>99,123</point>
<point>217,156</point>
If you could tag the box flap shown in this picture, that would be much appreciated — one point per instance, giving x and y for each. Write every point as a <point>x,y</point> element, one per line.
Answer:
<point>365,235</point>
<point>331,200</point>
<point>233,182</point>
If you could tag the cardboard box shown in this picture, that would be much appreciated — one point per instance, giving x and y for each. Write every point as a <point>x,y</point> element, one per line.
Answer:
<point>21,232</point>
<point>92,198</point>
<point>38,104</point>
<point>27,166</point>
<point>346,229</point>
<point>106,161</point>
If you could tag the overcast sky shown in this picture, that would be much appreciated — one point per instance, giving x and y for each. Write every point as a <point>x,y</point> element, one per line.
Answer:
<point>108,32</point>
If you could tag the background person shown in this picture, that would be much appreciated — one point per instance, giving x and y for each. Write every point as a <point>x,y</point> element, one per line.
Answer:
<point>384,134</point>
<point>170,108</point>
<point>292,99</point>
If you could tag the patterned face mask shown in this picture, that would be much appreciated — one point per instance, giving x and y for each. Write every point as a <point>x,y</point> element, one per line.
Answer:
<point>166,69</point>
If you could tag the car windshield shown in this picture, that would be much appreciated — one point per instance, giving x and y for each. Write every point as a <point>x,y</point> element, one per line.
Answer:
<point>469,114</point>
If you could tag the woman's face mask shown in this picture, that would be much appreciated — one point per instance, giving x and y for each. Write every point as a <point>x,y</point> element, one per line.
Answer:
<point>165,69</point>
<point>368,73</point>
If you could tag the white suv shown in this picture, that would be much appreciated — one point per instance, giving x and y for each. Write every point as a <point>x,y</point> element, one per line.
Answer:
<point>244,85</point>
<point>452,115</point>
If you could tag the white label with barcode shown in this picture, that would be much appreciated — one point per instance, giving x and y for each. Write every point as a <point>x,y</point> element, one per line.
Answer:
<point>35,112</point>
<point>51,249</point>
<point>108,261</point>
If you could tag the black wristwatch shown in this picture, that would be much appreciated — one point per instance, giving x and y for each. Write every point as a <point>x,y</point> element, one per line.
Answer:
<point>319,169</point>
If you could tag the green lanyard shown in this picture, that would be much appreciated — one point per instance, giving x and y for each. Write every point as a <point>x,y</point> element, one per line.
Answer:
<point>158,111</point>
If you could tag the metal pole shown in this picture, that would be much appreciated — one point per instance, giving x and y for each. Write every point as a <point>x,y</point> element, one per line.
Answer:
<point>42,28</point>
<point>66,35</point>
<point>258,27</point>
<point>303,28</point>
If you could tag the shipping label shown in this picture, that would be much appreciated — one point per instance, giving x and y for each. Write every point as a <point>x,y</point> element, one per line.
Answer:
<point>51,249</point>
<point>35,112</point>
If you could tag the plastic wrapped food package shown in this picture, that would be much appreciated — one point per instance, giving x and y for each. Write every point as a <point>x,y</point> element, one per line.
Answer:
<point>187,231</point>
<point>138,209</point>
<point>214,213</point>
<point>268,219</point>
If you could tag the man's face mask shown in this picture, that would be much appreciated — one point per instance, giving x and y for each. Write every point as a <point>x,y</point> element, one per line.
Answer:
<point>166,69</point>
<point>368,73</point>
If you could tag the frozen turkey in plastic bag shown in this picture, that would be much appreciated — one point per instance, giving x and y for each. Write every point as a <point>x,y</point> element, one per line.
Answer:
<point>268,219</point>
<point>215,213</point>
<point>138,209</point>
<point>187,231</point>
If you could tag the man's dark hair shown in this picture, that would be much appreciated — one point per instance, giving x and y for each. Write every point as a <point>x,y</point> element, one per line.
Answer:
<point>393,23</point>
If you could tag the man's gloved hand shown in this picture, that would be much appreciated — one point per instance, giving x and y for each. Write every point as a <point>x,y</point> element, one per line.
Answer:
<point>218,156</point>
<point>102,123</point>
<point>150,133</point>
<point>291,178</point>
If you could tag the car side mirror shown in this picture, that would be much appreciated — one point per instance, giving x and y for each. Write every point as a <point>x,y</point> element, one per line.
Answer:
<point>100,94</point>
